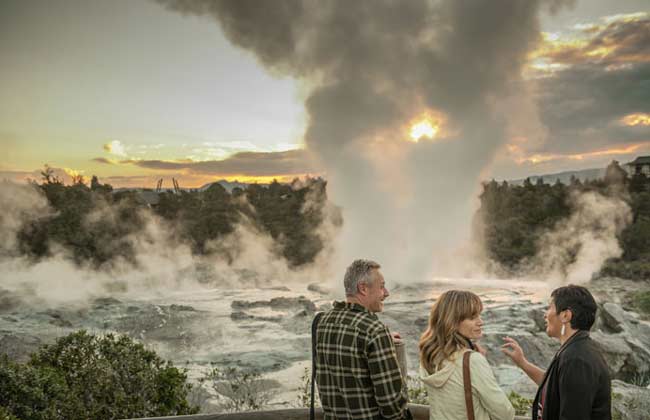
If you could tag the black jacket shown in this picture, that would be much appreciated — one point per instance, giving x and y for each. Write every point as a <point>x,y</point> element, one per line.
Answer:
<point>579,387</point>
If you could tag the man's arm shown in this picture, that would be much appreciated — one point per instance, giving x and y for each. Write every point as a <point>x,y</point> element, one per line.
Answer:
<point>390,392</point>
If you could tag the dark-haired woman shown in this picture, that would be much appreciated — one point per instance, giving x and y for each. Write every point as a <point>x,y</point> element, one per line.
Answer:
<point>576,385</point>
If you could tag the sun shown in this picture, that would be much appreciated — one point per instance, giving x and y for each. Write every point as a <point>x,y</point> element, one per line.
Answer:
<point>423,128</point>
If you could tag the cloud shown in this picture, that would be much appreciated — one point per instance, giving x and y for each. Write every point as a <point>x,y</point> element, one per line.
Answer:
<point>370,67</point>
<point>633,120</point>
<point>103,160</point>
<point>583,105</point>
<point>520,157</point>
<point>116,148</point>
<point>592,100</point>
<point>292,162</point>
<point>621,39</point>
<point>24,176</point>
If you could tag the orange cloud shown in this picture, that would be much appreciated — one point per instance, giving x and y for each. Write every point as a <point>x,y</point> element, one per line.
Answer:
<point>616,41</point>
<point>636,119</point>
<point>520,158</point>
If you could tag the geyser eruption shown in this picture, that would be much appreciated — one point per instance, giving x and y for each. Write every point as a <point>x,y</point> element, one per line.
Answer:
<point>370,67</point>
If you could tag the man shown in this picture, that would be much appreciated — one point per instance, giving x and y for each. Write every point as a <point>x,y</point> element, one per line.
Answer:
<point>576,386</point>
<point>357,372</point>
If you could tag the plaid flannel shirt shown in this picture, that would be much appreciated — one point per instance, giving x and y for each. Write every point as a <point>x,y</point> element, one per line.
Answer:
<point>356,366</point>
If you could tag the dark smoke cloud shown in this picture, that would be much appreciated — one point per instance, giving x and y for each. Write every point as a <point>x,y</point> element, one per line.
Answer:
<point>370,67</point>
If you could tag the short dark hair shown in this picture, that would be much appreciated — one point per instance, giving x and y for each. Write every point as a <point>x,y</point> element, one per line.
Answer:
<point>581,303</point>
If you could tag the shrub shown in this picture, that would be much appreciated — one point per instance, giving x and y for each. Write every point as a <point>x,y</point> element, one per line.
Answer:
<point>641,301</point>
<point>417,393</point>
<point>242,390</point>
<point>304,391</point>
<point>93,377</point>
<point>521,404</point>
<point>31,393</point>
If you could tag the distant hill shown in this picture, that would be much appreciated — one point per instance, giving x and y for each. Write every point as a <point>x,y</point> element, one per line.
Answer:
<point>229,186</point>
<point>564,177</point>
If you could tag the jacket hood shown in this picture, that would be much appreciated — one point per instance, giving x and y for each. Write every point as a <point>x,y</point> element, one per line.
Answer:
<point>438,378</point>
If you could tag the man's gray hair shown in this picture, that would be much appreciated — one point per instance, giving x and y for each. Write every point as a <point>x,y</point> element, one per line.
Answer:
<point>360,271</point>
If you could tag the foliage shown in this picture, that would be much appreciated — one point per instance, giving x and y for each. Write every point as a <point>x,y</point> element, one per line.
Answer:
<point>514,218</point>
<point>6,415</point>
<point>30,393</point>
<point>522,405</point>
<point>641,379</point>
<point>304,391</point>
<point>96,226</point>
<point>88,377</point>
<point>641,301</point>
<point>417,392</point>
<point>241,389</point>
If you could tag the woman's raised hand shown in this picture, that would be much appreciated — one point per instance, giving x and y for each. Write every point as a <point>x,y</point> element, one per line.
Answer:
<point>513,350</point>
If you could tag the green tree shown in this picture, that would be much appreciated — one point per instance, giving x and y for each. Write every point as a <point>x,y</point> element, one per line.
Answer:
<point>83,376</point>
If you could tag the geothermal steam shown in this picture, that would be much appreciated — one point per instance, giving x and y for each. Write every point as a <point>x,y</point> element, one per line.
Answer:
<point>369,68</point>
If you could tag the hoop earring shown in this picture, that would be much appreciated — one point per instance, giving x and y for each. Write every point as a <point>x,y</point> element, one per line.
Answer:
<point>563,330</point>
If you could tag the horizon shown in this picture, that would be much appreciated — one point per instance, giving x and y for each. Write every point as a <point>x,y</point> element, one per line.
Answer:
<point>128,134</point>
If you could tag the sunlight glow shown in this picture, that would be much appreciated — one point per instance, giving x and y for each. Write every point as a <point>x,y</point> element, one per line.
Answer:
<point>636,119</point>
<point>547,157</point>
<point>423,128</point>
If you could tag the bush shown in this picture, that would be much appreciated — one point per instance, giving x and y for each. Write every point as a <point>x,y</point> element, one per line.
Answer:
<point>6,415</point>
<point>304,391</point>
<point>641,301</point>
<point>242,390</point>
<point>417,392</point>
<point>30,393</point>
<point>522,405</point>
<point>93,377</point>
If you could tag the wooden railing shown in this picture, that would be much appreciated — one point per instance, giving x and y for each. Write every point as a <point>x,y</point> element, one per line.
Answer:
<point>420,412</point>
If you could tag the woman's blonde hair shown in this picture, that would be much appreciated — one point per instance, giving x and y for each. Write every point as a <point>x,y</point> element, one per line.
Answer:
<point>441,339</point>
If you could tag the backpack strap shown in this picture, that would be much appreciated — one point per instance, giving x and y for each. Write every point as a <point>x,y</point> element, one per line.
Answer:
<point>314,327</point>
<point>467,383</point>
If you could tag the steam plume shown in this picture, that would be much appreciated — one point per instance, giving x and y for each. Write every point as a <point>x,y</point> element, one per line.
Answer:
<point>370,67</point>
<point>577,247</point>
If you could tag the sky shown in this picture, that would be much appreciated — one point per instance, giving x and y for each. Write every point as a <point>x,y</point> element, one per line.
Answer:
<point>135,91</point>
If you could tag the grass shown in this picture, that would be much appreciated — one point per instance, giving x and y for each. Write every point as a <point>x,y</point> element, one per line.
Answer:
<point>641,301</point>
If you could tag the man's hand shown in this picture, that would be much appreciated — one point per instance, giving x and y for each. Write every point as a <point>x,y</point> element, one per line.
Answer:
<point>479,348</point>
<point>397,338</point>
<point>513,350</point>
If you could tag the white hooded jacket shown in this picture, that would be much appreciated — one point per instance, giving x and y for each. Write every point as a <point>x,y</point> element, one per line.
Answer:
<point>447,394</point>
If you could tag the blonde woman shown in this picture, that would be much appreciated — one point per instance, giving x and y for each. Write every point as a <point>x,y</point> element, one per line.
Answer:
<point>454,325</point>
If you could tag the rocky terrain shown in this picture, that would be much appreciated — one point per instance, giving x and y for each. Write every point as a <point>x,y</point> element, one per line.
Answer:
<point>267,329</point>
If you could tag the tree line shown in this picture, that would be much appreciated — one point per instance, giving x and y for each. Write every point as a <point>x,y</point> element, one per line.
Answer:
<point>514,218</point>
<point>96,225</point>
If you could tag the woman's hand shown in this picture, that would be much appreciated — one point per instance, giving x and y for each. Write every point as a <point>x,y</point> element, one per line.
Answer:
<point>397,338</point>
<point>513,350</point>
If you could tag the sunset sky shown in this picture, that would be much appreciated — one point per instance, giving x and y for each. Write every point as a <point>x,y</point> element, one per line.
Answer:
<point>137,90</point>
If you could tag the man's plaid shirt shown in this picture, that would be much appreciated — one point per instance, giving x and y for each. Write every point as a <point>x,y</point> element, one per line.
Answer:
<point>356,367</point>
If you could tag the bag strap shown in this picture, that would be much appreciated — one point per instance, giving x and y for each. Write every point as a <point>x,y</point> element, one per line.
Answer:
<point>467,383</point>
<point>314,326</point>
